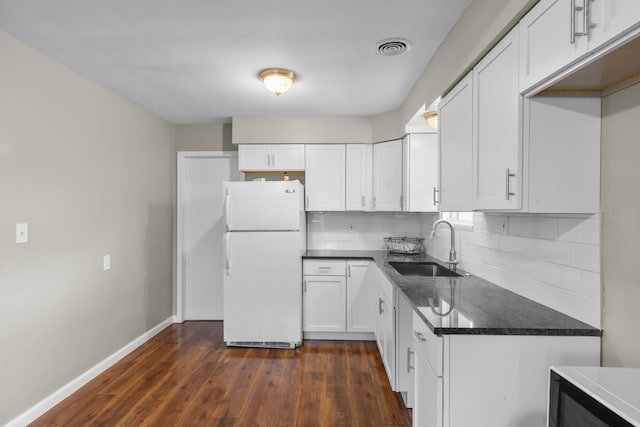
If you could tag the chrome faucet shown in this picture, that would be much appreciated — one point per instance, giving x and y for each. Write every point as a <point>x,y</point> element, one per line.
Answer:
<point>452,253</point>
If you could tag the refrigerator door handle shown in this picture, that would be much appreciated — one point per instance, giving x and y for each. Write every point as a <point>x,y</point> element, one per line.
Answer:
<point>227,208</point>
<point>227,253</point>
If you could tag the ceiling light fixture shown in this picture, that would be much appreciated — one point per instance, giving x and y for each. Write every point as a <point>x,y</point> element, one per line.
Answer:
<point>432,119</point>
<point>278,80</point>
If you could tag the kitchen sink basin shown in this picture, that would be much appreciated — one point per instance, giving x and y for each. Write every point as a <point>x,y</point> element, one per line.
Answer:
<point>425,269</point>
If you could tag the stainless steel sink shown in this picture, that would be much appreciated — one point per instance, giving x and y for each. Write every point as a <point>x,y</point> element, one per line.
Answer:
<point>424,269</point>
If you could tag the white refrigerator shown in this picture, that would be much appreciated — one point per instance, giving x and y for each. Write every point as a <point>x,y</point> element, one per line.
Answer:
<point>264,240</point>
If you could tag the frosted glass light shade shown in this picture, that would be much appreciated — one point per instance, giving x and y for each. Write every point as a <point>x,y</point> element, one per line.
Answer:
<point>432,119</point>
<point>278,80</point>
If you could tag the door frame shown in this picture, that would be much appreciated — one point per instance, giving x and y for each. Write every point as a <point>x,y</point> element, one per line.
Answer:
<point>180,259</point>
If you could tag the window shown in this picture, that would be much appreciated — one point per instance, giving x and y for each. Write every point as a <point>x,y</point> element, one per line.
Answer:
<point>461,220</point>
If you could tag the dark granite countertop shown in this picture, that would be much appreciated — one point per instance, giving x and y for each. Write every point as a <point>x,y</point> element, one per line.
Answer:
<point>468,304</point>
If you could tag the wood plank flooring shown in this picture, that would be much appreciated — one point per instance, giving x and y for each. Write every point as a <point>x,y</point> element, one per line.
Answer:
<point>186,376</point>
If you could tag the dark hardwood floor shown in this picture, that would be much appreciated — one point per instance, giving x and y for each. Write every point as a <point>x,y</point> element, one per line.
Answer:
<point>186,376</point>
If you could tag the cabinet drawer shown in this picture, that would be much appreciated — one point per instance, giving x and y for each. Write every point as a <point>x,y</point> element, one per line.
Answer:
<point>324,267</point>
<point>429,344</point>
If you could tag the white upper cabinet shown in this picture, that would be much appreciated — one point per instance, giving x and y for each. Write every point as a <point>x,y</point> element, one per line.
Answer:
<point>562,154</point>
<point>610,18</point>
<point>420,165</point>
<point>387,176</point>
<point>497,139</point>
<point>263,157</point>
<point>558,33</point>
<point>455,134</point>
<point>549,40</point>
<point>359,177</point>
<point>325,177</point>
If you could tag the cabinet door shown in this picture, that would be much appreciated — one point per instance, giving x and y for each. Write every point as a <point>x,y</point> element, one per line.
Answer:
<point>562,146</point>
<point>359,177</point>
<point>387,176</point>
<point>404,349</point>
<point>546,41</point>
<point>455,134</point>
<point>254,157</point>
<point>389,340</point>
<point>379,320</point>
<point>360,297</point>
<point>497,139</point>
<point>420,165</point>
<point>611,18</point>
<point>428,403</point>
<point>287,157</point>
<point>325,177</point>
<point>324,301</point>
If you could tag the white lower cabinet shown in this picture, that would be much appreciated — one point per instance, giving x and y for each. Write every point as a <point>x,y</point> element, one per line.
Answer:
<point>489,380</point>
<point>337,297</point>
<point>323,304</point>
<point>385,331</point>
<point>405,356</point>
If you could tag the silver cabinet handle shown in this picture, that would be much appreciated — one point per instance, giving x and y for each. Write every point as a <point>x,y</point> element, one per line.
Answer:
<point>324,268</point>
<point>435,191</point>
<point>380,302</point>
<point>306,204</point>
<point>401,201</point>
<point>508,194</point>
<point>587,18</point>
<point>572,29</point>
<point>362,201</point>
<point>349,270</point>
<point>304,286</point>
<point>373,201</point>
<point>575,8</point>
<point>420,337</point>
<point>409,353</point>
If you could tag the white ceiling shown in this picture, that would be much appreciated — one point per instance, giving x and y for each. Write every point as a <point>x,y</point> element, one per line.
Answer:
<point>197,61</point>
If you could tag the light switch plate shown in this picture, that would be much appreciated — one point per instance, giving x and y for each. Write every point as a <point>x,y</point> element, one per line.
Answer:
<point>22,232</point>
<point>106,262</point>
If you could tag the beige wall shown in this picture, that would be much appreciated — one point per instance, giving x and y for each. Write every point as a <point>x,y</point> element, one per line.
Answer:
<point>621,228</point>
<point>480,26</point>
<point>91,173</point>
<point>204,137</point>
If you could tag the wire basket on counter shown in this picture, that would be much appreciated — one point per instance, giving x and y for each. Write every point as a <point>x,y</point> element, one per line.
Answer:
<point>404,245</point>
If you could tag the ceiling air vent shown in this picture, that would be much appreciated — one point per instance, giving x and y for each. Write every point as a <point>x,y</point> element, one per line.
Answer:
<point>393,47</point>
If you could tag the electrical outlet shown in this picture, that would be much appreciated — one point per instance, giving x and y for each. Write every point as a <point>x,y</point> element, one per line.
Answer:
<point>504,225</point>
<point>351,228</point>
<point>22,232</point>
<point>106,262</point>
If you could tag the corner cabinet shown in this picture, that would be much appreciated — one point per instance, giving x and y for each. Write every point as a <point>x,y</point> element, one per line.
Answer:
<point>264,157</point>
<point>325,177</point>
<point>420,172</point>
<point>497,119</point>
<point>455,134</point>
<point>337,295</point>
<point>387,176</point>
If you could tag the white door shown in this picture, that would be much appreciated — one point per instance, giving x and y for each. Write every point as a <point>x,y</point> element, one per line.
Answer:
<point>359,177</point>
<point>611,18</point>
<point>269,205</point>
<point>497,141</point>
<point>324,304</point>
<point>262,292</point>
<point>287,157</point>
<point>546,44</point>
<point>254,157</point>
<point>455,134</point>
<point>387,176</point>
<point>360,297</point>
<point>200,231</point>
<point>325,177</point>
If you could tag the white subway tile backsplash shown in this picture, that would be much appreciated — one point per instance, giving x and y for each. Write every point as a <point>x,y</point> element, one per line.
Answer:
<point>552,259</point>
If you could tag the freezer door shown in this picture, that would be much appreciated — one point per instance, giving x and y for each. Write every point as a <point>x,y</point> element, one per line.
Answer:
<point>271,205</point>
<point>262,287</point>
